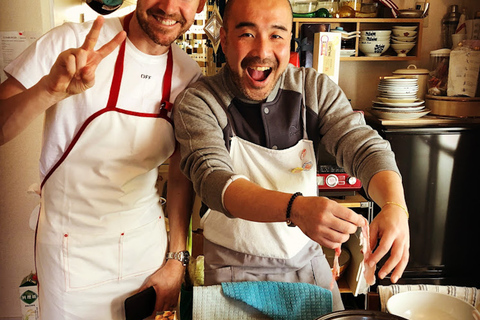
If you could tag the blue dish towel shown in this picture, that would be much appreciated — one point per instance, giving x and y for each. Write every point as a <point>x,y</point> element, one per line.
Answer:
<point>282,300</point>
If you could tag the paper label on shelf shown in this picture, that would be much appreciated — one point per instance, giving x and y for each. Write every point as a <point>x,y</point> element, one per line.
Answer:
<point>13,43</point>
<point>326,54</point>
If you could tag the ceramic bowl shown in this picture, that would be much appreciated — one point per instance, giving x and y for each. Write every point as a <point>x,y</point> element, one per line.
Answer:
<point>403,33</point>
<point>410,28</point>
<point>376,33</point>
<point>409,39</point>
<point>430,305</point>
<point>401,42</point>
<point>402,48</point>
<point>379,38</point>
<point>373,48</point>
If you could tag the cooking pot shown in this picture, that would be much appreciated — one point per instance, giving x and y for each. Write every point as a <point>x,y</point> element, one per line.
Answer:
<point>421,74</point>
<point>359,315</point>
<point>412,13</point>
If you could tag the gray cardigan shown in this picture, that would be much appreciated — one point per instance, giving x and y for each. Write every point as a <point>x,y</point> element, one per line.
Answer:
<point>203,131</point>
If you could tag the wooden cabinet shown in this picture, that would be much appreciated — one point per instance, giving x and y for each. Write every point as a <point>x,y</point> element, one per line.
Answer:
<point>361,24</point>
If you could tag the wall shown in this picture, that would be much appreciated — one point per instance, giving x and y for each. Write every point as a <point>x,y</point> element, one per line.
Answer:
<point>18,158</point>
<point>19,169</point>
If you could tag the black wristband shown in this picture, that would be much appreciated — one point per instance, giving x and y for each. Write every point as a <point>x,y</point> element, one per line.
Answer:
<point>289,208</point>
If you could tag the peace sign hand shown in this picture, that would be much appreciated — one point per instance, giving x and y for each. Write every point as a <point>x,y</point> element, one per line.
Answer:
<point>74,69</point>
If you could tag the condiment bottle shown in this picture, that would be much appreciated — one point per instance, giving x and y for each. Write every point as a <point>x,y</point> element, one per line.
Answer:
<point>449,25</point>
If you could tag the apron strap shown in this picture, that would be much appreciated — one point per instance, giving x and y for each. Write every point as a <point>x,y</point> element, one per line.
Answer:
<point>117,75</point>
<point>166,105</point>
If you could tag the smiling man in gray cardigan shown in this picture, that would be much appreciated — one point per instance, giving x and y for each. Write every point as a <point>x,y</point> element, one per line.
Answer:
<point>248,139</point>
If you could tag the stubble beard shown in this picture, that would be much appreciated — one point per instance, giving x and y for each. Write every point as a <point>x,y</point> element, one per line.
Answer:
<point>162,36</point>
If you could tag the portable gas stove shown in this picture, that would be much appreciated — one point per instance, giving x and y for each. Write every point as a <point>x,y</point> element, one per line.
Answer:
<point>334,181</point>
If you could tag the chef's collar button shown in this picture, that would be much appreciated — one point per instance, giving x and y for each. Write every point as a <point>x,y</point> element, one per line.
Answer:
<point>274,147</point>
<point>266,110</point>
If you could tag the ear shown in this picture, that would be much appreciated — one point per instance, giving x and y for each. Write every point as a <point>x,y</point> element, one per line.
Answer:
<point>201,6</point>
<point>223,38</point>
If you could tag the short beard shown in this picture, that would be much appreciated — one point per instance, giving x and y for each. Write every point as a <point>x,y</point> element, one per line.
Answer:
<point>153,34</point>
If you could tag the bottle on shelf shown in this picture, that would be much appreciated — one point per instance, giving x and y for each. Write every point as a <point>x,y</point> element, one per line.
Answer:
<point>449,25</point>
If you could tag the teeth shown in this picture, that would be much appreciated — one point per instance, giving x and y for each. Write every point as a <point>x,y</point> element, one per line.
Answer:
<point>169,22</point>
<point>261,68</point>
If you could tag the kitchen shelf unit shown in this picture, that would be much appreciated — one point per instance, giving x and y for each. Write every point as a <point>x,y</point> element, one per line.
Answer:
<point>362,24</point>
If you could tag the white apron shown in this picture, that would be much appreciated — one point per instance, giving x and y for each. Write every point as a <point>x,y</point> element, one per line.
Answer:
<point>274,170</point>
<point>101,229</point>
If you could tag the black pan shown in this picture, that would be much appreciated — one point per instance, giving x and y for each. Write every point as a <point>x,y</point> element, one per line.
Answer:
<point>359,315</point>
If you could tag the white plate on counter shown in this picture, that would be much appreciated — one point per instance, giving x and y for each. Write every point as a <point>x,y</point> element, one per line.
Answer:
<point>399,104</point>
<point>399,115</point>
<point>388,100</point>
<point>399,109</point>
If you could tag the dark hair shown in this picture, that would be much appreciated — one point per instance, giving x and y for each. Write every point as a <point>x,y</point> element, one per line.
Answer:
<point>228,9</point>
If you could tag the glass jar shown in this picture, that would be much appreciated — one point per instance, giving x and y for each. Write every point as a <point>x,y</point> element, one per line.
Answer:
<point>368,9</point>
<point>438,80</point>
<point>330,5</point>
<point>354,4</point>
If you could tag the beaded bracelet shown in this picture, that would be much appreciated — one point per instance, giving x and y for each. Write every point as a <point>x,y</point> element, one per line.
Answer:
<point>289,208</point>
<point>398,205</point>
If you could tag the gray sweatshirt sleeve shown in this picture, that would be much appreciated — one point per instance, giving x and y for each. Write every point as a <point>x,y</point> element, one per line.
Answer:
<point>357,147</point>
<point>199,122</point>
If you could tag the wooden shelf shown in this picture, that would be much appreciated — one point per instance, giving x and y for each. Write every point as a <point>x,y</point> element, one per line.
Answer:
<point>361,24</point>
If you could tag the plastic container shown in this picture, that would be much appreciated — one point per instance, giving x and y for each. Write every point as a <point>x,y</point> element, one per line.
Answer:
<point>421,74</point>
<point>438,76</point>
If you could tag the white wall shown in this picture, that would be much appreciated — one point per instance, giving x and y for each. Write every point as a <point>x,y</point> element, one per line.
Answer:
<point>18,169</point>
<point>18,158</point>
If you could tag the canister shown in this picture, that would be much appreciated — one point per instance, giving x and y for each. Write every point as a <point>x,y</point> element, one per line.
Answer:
<point>438,80</point>
<point>422,76</point>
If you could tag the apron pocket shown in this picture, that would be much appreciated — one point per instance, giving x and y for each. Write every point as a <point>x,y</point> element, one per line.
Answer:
<point>144,248</point>
<point>92,260</point>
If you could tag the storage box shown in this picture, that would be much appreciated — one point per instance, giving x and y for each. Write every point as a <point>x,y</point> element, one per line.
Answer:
<point>326,54</point>
<point>29,298</point>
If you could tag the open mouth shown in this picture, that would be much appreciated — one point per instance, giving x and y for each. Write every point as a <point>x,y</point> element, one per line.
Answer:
<point>259,73</point>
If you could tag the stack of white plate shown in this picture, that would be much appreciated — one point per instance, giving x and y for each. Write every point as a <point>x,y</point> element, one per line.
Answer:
<point>397,99</point>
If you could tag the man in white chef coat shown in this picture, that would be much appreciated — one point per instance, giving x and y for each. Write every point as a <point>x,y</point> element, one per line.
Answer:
<point>248,138</point>
<point>107,88</point>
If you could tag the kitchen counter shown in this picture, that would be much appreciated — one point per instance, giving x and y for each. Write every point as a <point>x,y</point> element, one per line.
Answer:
<point>425,121</point>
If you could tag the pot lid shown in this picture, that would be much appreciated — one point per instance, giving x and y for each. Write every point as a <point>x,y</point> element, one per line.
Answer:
<point>411,69</point>
<point>440,52</point>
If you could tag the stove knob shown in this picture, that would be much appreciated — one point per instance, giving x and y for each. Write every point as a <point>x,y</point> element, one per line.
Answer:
<point>331,180</point>
<point>351,180</point>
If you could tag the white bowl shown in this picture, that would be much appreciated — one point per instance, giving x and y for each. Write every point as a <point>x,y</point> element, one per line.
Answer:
<point>401,42</point>
<point>429,305</point>
<point>376,33</point>
<point>403,33</point>
<point>411,28</point>
<point>408,39</point>
<point>402,48</point>
<point>378,38</point>
<point>373,48</point>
